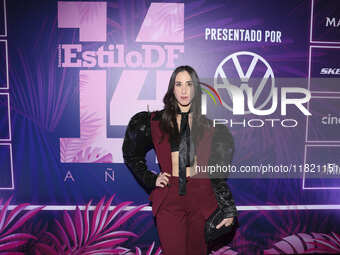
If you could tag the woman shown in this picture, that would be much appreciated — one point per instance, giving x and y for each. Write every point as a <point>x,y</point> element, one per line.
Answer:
<point>183,139</point>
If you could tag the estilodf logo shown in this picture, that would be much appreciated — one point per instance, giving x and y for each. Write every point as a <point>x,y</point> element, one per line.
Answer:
<point>149,53</point>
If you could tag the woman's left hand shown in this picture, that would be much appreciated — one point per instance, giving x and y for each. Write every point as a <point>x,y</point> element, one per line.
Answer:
<point>226,222</point>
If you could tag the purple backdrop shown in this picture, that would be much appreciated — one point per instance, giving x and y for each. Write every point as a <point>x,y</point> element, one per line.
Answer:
<point>72,73</point>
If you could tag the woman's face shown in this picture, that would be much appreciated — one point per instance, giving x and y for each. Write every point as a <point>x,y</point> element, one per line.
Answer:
<point>184,88</point>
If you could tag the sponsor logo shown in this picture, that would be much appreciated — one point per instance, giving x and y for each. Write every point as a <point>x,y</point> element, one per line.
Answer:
<point>330,120</point>
<point>332,22</point>
<point>237,92</point>
<point>248,94</point>
<point>330,71</point>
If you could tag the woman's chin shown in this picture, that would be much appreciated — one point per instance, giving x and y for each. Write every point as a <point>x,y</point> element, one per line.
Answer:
<point>184,103</point>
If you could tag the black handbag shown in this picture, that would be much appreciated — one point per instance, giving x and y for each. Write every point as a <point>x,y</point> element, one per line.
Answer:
<point>211,232</point>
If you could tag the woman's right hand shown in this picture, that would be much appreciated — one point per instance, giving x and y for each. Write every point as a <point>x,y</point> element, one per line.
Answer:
<point>162,180</point>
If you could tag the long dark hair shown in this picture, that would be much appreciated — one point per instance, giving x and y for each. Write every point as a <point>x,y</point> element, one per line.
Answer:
<point>168,120</point>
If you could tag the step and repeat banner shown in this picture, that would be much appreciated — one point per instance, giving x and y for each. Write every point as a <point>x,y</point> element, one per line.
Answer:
<point>72,74</point>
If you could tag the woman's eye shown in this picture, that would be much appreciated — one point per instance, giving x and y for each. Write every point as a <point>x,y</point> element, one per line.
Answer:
<point>178,84</point>
<point>190,83</point>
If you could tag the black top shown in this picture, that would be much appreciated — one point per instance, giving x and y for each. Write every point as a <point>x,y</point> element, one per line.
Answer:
<point>175,144</point>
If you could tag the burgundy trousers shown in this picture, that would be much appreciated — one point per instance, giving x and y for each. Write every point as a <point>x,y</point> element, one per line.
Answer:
<point>180,222</point>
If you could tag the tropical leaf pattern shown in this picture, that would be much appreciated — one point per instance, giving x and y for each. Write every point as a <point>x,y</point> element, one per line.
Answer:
<point>303,243</point>
<point>87,235</point>
<point>226,250</point>
<point>326,244</point>
<point>95,155</point>
<point>72,149</point>
<point>100,230</point>
<point>149,251</point>
<point>10,239</point>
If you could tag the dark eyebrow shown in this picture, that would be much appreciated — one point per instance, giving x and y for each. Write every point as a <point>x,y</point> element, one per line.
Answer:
<point>181,82</point>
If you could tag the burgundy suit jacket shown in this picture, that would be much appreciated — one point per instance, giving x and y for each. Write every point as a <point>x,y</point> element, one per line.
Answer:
<point>163,151</point>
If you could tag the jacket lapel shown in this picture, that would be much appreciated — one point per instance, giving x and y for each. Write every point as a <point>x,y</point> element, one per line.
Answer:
<point>162,148</point>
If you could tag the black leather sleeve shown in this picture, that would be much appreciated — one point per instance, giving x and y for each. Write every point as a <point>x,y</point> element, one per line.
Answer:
<point>137,142</point>
<point>222,151</point>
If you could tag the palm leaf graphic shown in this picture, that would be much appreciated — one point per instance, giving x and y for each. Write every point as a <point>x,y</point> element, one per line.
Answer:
<point>303,243</point>
<point>97,234</point>
<point>326,244</point>
<point>225,250</point>
<point>93,155</point>
<point>9,224</point>
<point>148,252</point>
<point>70,148</point>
